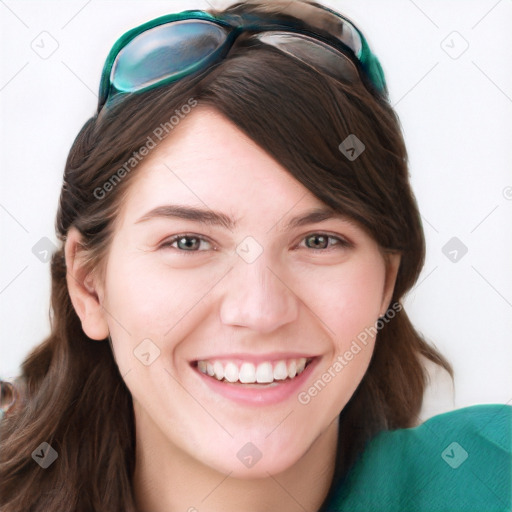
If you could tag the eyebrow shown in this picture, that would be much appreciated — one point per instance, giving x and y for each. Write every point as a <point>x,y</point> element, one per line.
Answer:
<point>214,218</point>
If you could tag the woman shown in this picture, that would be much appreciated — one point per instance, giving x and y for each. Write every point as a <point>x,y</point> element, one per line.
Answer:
<point>238,232</point>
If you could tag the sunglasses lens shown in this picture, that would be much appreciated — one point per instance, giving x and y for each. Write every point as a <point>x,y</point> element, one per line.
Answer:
<point>312,52</point>
<point>325,20</point>
<point>347,33</point>
<point>164,52</point>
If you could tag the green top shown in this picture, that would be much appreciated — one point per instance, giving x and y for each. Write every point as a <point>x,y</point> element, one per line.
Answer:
<point>459,461</point>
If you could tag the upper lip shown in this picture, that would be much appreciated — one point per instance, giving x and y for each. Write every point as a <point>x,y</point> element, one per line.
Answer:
<point>256,358</point>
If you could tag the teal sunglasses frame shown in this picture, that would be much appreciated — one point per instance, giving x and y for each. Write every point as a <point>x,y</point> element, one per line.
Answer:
<point>365,62</point>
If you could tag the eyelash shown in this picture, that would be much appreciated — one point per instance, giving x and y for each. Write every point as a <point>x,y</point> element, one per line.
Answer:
<point>341,242</point>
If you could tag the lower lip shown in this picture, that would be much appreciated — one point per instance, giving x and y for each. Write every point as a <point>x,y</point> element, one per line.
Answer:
<point>279,392</point>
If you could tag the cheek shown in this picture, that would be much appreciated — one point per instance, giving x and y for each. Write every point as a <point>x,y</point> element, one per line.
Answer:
<point>348,300</point>
<point>147,300</point>
<point>145,288</point>
<point>349,308</point>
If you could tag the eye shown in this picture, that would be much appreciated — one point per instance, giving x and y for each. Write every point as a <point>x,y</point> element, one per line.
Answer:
<point>184,243</point>
<point>320,241</point>
<point>190,243</point>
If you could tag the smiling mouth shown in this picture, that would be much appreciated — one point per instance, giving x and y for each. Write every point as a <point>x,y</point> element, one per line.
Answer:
<point>245,372</point>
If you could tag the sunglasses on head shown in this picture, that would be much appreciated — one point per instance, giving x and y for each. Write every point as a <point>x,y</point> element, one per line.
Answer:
<point>170,47</point>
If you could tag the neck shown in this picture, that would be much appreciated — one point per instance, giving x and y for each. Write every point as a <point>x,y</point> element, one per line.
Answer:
<point>167,479</point>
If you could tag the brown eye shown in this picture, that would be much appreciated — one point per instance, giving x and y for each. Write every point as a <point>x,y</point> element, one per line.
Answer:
<point>317,241</point>
<point>320,241</point>
<point>184,243</point>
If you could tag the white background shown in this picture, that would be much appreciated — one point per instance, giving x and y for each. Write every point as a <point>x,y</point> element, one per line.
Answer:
<point>457,119</point>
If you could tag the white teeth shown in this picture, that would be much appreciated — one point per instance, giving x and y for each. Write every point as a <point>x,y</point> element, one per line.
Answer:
<point>280,371</point>
<point>292,369</point>
<point>248,373</point>
<point>231,372</point>
<point>219,370</point>
<point>264,373</point>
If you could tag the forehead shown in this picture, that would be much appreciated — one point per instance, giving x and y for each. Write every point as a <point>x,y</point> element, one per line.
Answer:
<point>208,162</point>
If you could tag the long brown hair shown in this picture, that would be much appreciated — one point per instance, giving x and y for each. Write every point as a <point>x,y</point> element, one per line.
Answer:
<point>71,394</point>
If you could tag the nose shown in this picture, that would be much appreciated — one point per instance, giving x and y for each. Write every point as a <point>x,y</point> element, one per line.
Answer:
<point>258,297</point>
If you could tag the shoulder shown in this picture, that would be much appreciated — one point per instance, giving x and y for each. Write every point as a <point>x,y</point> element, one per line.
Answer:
<point>456,461</point>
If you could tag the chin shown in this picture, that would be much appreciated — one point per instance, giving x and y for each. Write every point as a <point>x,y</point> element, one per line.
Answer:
<point>256,459</point>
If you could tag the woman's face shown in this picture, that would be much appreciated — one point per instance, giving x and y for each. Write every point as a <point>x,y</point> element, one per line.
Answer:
<point>184,296</point>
